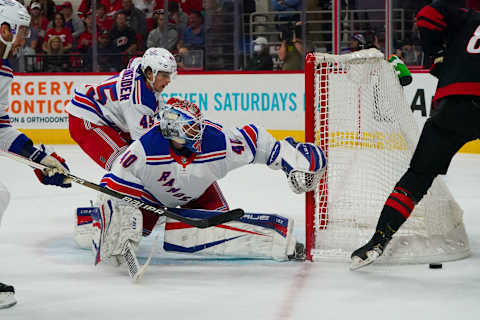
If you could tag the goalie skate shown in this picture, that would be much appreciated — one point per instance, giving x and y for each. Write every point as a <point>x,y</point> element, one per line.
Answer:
<point>370,252</point>
<point>7,296</point>
<point>299,253</point>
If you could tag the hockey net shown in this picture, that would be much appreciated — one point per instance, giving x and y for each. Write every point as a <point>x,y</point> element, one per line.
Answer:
<point>356,111</point>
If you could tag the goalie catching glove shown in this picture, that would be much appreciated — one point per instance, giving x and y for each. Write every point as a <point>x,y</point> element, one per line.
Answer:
<point>303,163</point>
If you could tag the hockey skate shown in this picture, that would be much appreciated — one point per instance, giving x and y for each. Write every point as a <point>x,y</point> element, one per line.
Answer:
<point>299,254</point>
<point>7,296</point>
<point>371,251</point>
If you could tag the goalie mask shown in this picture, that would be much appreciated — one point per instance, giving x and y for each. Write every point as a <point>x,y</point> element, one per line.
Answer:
<point>182,122</point>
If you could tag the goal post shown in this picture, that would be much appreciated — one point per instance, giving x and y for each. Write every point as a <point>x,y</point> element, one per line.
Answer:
<point>356,111</point>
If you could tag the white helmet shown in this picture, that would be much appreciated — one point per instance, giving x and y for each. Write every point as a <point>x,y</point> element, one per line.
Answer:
<point>159,60</point>
<point>15,14</point>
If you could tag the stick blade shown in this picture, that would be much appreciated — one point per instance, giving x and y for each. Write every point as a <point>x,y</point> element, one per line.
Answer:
<point>224,217</point>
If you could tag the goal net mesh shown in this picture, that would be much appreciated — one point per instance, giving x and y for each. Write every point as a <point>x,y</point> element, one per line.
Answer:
<point>356,111</point>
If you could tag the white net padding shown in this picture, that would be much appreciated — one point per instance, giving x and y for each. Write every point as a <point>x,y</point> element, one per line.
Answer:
<point>363,123</point>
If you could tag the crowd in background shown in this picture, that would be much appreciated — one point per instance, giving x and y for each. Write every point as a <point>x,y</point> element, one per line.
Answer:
<point>61,35</point>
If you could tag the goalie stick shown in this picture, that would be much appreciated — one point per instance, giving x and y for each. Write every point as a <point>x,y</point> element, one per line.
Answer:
<point>161,211</point>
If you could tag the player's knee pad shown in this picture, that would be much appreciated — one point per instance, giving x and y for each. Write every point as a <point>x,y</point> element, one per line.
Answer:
<point>255,235</point>
<point>4,200</point>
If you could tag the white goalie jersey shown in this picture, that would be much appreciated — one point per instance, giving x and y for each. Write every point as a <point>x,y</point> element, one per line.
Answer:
<point>150,170</point>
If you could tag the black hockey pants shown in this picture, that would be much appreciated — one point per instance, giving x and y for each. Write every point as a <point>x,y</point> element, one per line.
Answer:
<point>453,123</point>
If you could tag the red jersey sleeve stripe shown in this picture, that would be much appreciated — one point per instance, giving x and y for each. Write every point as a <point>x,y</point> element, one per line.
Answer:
<point>252,134</point>
<point>431,14</point>
<point>423,23</point>
<point>459,88</point>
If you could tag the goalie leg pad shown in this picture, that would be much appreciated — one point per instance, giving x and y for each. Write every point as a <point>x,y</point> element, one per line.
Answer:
<point>4,200</point>
<point>83,226</point>
<point>84,230</point>
<point>114,224</point>
<point>255,235</point>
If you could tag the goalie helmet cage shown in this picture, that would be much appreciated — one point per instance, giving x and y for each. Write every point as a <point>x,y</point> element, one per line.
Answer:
<point>356,111</point>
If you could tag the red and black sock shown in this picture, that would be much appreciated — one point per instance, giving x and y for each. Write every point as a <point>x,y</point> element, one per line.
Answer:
<point>396,211</point>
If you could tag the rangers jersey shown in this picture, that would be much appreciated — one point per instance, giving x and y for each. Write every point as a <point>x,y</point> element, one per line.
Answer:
<point>123,102</point>
<point>10,138</point>
<point>152,171</point>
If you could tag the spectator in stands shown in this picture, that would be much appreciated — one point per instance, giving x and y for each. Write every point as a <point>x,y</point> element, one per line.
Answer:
<point>61,31</point>
<point>38,25</point>
<point>194,35</point>
<point>146,6</point>
<point>379,42</point>
<point>54,60</point>
<point>112,6</point>
<point>152,23</point>
<point>190,6</point>
<point>164,35</point>
<point>357,42</point>
<point>410,54</point>
<point>30,48</point>
<point>72,21</point>
<point>136,20</point>
<point>85,39</point>
<point>84,7</point>
<point>261,58</point>
<point>291,51</point>
<point>177,17</point>
<point>104,21</point>
<point>48,9</point>
<point>104,51</point>
<point>187,6</point>
<point>287,5</point>
<point>104,54</point>
<point>124,40</point>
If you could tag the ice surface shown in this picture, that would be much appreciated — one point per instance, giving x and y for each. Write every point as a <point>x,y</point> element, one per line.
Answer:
<point>56,280</point>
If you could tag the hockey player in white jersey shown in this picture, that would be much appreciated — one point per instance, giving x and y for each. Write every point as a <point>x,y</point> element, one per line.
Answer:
<point>177,162</point>
<point>105,118</point>
<point>14,27</point>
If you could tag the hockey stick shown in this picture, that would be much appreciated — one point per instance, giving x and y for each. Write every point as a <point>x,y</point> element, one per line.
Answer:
<point>161,211</point>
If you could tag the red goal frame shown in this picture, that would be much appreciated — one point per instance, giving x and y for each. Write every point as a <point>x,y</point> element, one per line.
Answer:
<point>310,207</point>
